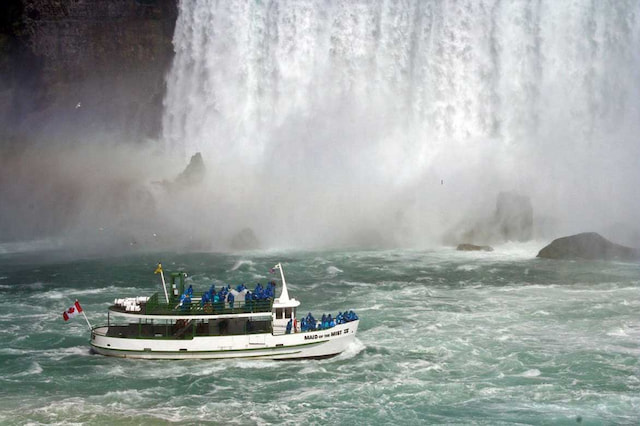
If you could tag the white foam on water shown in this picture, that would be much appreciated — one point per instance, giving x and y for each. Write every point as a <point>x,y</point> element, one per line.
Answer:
<point>124,397</point>
<point>14,351</point>
<point>59,354</point>
<point>504,337</point>
<point>18,316</point>
<point>428,278</point>
<point>241,263</point>
<point>34,369</point>
<point>333,271</point>
<point>33,286</point>
<point>353,350</point>
<point>534,372</point>
<point>52,295</point>
<point>375,307</point>
<point>618,332</point>
<point>467,268</point>
<point>356,283</point>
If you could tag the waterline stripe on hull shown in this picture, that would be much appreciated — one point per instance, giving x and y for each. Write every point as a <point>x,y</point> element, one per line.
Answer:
<point>215,351</point>
<point>167,355</point>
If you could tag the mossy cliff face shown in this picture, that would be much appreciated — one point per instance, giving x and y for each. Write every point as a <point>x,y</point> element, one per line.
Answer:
<point>72,67</point>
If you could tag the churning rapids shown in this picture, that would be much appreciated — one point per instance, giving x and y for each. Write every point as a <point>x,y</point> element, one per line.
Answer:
<point>445,337</point>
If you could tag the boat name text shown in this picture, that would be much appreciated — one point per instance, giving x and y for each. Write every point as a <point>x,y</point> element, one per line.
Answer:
<point>320,335</point>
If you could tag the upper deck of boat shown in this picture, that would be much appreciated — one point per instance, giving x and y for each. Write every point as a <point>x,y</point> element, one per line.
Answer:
<point>156,307</point>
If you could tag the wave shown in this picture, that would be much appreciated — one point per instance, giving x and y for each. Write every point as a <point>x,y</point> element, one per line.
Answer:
<point>241,263</point>
<point>34,369</point>
<point>353,350</point>
<point>59,354</point>
<point>534,372</point>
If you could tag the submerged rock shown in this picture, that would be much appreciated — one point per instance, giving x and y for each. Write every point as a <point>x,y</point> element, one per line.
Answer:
<point>473,247</point>
<point>588,245</point>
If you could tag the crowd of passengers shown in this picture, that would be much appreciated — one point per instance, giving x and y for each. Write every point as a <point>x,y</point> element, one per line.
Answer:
<point>243,294</point>
<point>228,295</point>
<point>309,323</point>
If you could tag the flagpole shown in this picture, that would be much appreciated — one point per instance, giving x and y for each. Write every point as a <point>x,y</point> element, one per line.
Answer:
<point>86,319</point>
<point>164,286</point>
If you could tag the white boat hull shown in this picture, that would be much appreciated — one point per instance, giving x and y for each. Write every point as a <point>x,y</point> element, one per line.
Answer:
<point>312,344</point>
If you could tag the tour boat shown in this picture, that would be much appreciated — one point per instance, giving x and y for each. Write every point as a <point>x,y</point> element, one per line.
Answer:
<point>180,324</point>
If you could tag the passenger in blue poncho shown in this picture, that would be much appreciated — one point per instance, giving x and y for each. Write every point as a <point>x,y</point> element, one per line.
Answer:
<point>259,292</point>
<point>185,301</point>
<point>206,298</point>
<point>288,330</point>
<point>269,292</point>
<point>230,299</point>
<point>311,322</point>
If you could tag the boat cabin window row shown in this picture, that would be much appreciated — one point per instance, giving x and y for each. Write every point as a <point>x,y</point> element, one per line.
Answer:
<point>185,329</point>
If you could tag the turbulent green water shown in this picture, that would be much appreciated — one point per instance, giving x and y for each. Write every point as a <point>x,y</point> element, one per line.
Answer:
<point>445,337</point>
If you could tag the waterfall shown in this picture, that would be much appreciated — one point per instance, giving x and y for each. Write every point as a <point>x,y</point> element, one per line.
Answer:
<point>532,92</point>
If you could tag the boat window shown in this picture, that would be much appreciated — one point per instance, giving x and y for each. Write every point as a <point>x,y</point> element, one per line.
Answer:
<point>287,313</point>
<point>279,313</point>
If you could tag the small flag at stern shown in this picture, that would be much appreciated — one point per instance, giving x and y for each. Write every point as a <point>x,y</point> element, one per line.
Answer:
<point>72,311</point>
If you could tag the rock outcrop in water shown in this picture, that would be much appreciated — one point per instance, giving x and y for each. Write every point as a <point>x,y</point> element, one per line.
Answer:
<point>588,245</point>
<point>191,176</point>
<point>194,173</point>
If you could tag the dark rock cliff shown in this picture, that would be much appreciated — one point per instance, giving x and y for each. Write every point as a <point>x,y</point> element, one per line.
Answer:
<point>590,246</point>
<point>72,67</point>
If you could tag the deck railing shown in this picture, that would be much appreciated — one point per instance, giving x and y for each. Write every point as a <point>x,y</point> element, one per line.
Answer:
<point>157,306</point>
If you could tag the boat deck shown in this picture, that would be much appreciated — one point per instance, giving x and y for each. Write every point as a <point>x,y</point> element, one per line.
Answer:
<point>155,306</point>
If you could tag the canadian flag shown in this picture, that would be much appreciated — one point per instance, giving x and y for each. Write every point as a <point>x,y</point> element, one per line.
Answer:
<point>72,311</point>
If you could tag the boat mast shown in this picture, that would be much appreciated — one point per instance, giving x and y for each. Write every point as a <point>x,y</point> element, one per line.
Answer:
<point>284,296</point>
<point>164,285</point>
